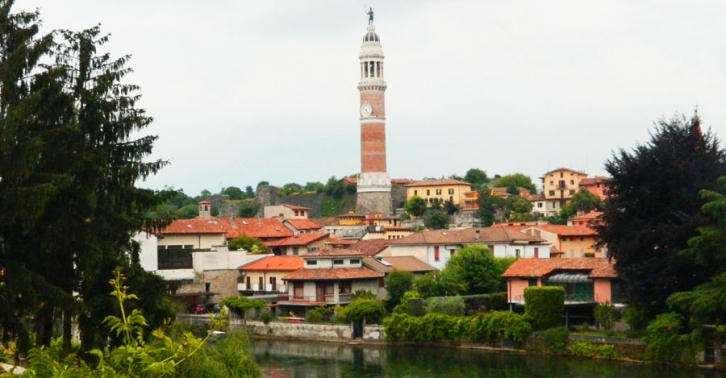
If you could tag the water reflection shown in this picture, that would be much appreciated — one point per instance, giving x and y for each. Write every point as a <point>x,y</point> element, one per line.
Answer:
<point>294,359</point>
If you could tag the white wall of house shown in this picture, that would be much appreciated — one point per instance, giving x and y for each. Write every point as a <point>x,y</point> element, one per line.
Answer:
<point>337,262</point>
<point>148,253</point>
<point>197,241</point>
<point>417,251</point>
<point>522,250</point>
<point>176,274</point>
<point>222,259</point>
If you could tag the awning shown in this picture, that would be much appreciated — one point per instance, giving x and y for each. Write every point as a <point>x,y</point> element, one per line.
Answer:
<point>569,278</point>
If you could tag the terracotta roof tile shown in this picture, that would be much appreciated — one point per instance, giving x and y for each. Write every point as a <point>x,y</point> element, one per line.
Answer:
<point>333,274</point>
<point>295,207</point>
<point>402,263</point>
<point>564,230</point>
<point>441,182</point>
<point>566,170</point>
<point>301,239</point>
<point>370,247</point>
<point>327,221</point>
<point>303,224</point>
<point>594,180</point>
<point>466,236</point>
<point>534,267</point>
<point>588,216</point>
<point>335,252</point>
<point>261,228</point>
<point>340,242</point>
<point>275,263</point>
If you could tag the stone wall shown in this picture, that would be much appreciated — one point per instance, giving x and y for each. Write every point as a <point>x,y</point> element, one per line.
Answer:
<point>374,202</point>
<point>398,195</point>
<point>222,282</point>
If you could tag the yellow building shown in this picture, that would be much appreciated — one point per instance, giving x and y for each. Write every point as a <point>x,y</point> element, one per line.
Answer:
<point>444,190</point>
<point>561,184</point>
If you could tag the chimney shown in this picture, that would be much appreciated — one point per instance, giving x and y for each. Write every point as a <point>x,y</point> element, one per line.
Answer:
<point>476,235</point>
<point>205,209</point>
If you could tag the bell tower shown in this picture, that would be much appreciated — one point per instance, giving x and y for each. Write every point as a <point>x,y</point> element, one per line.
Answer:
<point>374,183</point>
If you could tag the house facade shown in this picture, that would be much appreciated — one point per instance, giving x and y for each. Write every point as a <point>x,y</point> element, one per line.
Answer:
<point>265,276</point>
<point>443,190</point>
<point>286,211</point>
<point>561,184</point>
<point>595,185</point>
<point>585,280</point>
<point>300,244</point>
<point>436,247</point>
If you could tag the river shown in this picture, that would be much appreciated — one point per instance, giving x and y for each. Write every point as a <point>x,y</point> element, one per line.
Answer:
<point>299,359</point>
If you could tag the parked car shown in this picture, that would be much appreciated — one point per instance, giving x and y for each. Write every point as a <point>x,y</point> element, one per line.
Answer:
<point>200,309</point>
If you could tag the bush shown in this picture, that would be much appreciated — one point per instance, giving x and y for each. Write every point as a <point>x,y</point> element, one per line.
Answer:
<point>664,342</point>
<point>266,316</point>
<point>556,339</point>
<point>372,310</point>
<point>497,324</point>
<point>410,304</point>
<point>321,314</point>
<point>605,315</point>
<point>590,350</point>
<point>637,319</point>
<point>453,306</point>
<point>544,305</point>
<point>485,302</point>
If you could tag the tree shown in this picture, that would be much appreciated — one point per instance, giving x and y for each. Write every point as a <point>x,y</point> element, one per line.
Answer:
<point>490,208</point>
<point>585,201</point>
<point>249,192</point>
<point>233,193</point>
<point>478,268</point>
<point>397,283</point>
<point>566,212</point>
<point>477,178</point>
<point>240,305</point>
<point>292,189</point>
<point>436,220</point>
<point>450,208</point>
<point>654,206</point>
<point>415,206</point>
<point>314,187</point>
<point>368,309</point>
<point>517,180</point>
<point>517,209</point>
<point>250,244</point>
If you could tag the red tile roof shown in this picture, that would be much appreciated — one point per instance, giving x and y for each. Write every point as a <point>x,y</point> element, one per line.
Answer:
<point>301,239</point>
<point>535,268</point>
<point>466,236</point>
<point>262,228</point>
<point>441,182</point>
<point>563,230</point>
<point>275,263</point>
<point>335,252</point>
<point>340,242</point>
<point>327,221</point>
<point>295,207</point>
<point>303,224</point>
<point>594,180</point>
<point>588,216</point>
<point>566,170</point>
<point>370,247</point>
<point>332,274</point>
<point>194,226</point>
<point>402,263</point>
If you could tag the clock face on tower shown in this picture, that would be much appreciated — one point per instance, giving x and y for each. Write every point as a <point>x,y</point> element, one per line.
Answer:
<point>366,109</point>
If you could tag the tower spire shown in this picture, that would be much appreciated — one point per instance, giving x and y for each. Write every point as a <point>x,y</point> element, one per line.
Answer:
<point>374,184</point>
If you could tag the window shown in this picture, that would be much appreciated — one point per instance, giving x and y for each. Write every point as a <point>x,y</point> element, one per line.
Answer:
<point>539,205</point>
<point>491,249</point>
<point>452,252</point>
<point>338,262</point>
<point>572,191</point>
<point>428,192</point>
<point>297,290</point>
<point>381,283</point>
<point>261,283</point>
<point>344,287</point>
<point>273,282</point>
<point>438,192</point>
<point>354,261</point>
<point>552,182</point>
<point>314,249</point>
<point>517,252</point>
<point>436,253</point>
<point>536,252</point>
<point>572,182</point>
<point>311,262</point>
<point>562,174</point>
<point>532,282</point>
<point>451,191</point>
<point>551,192</point>
<point>415,192</point>
<point>295,251</point>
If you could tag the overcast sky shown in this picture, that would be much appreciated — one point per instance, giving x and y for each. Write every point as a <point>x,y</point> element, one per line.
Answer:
<point>244,91</point>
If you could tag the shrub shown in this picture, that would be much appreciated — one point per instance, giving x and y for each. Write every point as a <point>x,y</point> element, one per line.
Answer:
<point>372,310</point>
<point>320,314</point>
<point>664,342</point>
<point>605,315</point>
<point>410,304</point>
<point>266,316</point>
<point>590,350</point>
<point>544,305</point>
<point>556,339</point>
<point>485,302</point>
<point>637,319</point>
<point>453,306</point>
<point>498,324</point>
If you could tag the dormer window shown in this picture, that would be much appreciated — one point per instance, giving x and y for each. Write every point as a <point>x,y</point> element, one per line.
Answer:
<point>338,262</point>
<point>311,262</point>
<point>354,261</point>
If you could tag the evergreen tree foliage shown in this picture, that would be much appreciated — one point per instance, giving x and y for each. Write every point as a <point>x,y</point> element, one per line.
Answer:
<point>415,206</point>
<point>585,201</point>
<point>475,266</point>
<point>490,208</point>
<point>515,180</point>
<point>436,219</point>
<point>654,209</point>
<point>397,283</point>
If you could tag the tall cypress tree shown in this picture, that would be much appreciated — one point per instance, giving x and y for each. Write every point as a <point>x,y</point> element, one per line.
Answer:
<point>655,207</point>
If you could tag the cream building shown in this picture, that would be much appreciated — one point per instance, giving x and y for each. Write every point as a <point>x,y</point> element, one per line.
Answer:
<point>443,190</point>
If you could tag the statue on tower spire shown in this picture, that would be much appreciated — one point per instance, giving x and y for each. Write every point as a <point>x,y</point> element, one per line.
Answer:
<point>370,16</point>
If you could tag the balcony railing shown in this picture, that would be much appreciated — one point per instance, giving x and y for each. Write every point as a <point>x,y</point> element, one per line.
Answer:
<point>327,299</point>
<point>569,298</point>
<point>265,288</point>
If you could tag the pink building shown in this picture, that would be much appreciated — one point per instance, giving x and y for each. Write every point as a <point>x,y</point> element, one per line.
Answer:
<point>585,280</point>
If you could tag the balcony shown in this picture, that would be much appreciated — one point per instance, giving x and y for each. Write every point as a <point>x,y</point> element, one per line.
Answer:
<point>569,299</point>
<point>316,300</point>
<point>255,288</point>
